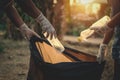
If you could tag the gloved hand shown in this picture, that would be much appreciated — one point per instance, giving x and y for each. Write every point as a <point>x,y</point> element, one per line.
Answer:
<point>27,32</point>
<point>102,52</point>
<point>100,29</point>
<point>46,26</point>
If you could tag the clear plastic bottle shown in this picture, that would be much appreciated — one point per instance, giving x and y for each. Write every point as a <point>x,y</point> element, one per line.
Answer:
<point>87,32</point>
<point>55,43</point>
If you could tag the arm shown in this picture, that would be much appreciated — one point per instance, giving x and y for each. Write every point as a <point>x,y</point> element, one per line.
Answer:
<point>29,7</point>
<point>13,15</point>
<point>107,37</point>
<point>109,26</point>
<point>103,46</point>
<point>17,20</point>
<point>115,20</point>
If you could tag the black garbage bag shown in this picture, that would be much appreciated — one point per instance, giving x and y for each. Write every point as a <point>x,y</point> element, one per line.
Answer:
<point>76,65</point>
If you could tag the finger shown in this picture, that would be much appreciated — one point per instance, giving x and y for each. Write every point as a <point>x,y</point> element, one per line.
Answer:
<point>51,36</point>
<point>92,28</point>
<point>99,32</point>
<point>90,35</point>
<point>44,30</point>
<point>96,29</point>
<point>102,32</point>
<point>55,35</point>
<point>27,37</point>
<point>32,33</point>
<point>47,35</point>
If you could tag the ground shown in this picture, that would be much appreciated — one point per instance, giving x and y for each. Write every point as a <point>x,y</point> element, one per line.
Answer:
<point>14,61</point>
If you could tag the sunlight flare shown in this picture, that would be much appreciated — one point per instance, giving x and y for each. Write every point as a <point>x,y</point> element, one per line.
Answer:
<point>86,1</point>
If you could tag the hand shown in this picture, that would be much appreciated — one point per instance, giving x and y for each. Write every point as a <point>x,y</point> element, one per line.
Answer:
<point>100,29</point>
<point>102,53</point>
<point>46,26</point>
<point>27,32</point>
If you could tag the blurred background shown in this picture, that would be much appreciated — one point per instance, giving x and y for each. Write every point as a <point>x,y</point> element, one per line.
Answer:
<point>69,17</point>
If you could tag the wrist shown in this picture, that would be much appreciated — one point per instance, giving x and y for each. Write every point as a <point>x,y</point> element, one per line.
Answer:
<point>108,28</point>
<point>40,18</point>
<point>23,27</point>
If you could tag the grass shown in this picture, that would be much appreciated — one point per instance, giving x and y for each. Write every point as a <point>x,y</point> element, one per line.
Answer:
<point>14,59</point>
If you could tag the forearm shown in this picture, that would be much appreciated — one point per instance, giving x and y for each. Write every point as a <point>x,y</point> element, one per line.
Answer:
<point>102,52</point>
<point>29,7</point>
<point>115,20</point>
<point>108,36</point>
<point>13,15</point>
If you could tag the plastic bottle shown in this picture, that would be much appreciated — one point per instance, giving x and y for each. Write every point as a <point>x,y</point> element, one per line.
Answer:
<point>55,43</point>
<point>87,32</point>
